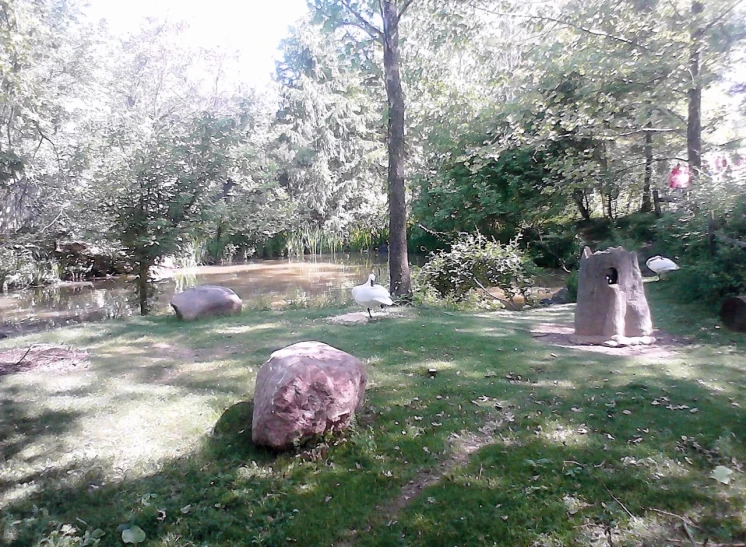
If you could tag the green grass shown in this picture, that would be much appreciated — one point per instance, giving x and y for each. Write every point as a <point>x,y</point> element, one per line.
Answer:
<point>155,432</point>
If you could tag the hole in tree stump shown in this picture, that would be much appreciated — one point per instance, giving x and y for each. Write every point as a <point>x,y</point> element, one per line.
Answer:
<point>612,276</point>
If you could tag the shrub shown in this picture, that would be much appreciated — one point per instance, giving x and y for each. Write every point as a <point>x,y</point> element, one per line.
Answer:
<point>22,266</point>
<point>572,286</point>
<point>474,262</point>
<point>554,246</point>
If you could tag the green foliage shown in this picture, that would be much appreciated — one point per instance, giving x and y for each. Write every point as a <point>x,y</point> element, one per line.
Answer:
<point>23,266</point>
<point>133,534</point>
<point>313,240</point>
<point>475,262</point>
<point>495,195</point>
<point>367,239</point>
<point>329,144</point>
<point>67,535</point>
<point>572,286</point>
<point>554,245</point>
<point>163,195</point>
<point>711,267</point>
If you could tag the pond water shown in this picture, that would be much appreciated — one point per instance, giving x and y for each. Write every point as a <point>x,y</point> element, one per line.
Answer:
<point>260,283</point>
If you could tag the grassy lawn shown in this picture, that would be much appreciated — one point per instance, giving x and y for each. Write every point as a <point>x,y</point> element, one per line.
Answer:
<point>514,442</point>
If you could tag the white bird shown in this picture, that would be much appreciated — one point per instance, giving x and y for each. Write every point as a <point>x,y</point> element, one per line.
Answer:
<point>369,295</point>
<point>661,265</point>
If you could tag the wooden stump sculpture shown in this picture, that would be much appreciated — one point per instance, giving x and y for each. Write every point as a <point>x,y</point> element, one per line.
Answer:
<point>612,308</point>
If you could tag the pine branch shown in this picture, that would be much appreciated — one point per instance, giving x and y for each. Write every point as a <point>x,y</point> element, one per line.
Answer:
<point>404,8</point>
<point>366,25</point>
<point>587,30</point>
<point>721,16</point>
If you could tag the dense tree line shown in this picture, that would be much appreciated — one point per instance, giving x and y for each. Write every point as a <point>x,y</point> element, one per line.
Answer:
<point>403,122</point>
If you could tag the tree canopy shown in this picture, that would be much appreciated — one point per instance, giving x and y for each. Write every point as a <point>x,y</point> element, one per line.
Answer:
<point>402,122</point>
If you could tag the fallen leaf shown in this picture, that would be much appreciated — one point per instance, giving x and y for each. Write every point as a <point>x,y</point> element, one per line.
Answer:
<point>722,474</point>
<point>133,534</point>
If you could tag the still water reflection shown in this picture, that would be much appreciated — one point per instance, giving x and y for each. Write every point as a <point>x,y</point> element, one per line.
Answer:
<point>261,283</point>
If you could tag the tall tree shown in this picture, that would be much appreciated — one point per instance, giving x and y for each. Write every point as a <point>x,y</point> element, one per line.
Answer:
<point>694,119</point>
<point>330,143</point>
<point>46,80</point>
<point>162,187</point>
<point>363,16</point>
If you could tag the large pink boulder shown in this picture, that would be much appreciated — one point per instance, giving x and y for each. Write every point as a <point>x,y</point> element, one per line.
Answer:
<point>305,390</point>
<point>206,301</point>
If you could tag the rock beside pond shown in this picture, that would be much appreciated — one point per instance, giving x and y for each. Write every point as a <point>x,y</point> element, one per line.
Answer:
<point>733,313</point>
<point>562,296</point>
<point>206,301</point>
<point>305,390</point>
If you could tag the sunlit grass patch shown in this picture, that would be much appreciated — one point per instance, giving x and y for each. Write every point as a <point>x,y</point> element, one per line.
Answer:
<point>518,442</point>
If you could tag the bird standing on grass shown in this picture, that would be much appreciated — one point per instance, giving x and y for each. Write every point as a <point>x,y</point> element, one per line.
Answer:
<point>661,265</point>
<point>369,295</point>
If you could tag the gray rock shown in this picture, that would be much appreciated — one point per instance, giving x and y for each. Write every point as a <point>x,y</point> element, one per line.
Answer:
<point>206,301</point>
<point>303,391</point>
<point>562,296</point>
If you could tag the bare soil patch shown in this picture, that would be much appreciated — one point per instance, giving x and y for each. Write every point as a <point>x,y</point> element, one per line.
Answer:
<point>353,318</point>
<point>559,334</point>
<point>349,318</point>
<point>48,357</point>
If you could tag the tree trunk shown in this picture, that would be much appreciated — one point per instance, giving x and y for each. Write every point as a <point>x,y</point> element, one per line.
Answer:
<point>694,122</point>
<point>647,202</point>
<point>218,247</point>
<point>579,197</point>
<point>143,271</point>
<point>398,259</point>
<point>610,206</point>
<point>657,203</point>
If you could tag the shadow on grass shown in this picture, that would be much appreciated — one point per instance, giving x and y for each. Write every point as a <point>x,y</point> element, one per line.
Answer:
<point>21,426</point>
<point>571,426</point>
<point>543,458</point>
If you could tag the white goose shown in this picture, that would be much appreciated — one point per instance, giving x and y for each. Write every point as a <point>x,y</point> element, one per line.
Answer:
<point>369,295</point>
<point>661,265</point>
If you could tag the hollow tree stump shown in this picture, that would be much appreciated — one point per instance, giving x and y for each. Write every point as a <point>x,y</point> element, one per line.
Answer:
<point>612,308</point>
<point>733,313</point>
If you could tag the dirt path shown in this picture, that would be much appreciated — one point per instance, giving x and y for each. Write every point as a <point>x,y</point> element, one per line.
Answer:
<point>463,445</point>
<point>560,334</point>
